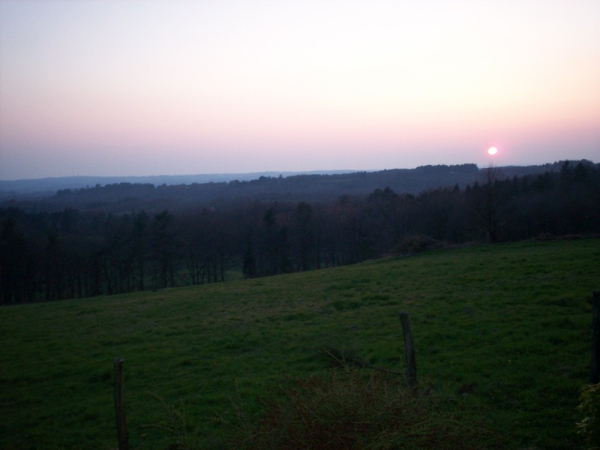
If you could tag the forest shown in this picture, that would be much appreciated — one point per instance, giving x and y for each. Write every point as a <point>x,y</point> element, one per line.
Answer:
<point>78,244</point>
<point>132,194</point>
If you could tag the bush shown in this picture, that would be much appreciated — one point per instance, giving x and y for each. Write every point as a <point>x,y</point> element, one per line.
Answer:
<point>346,411</point>
<point>589,427</point>
<point>417,244</point>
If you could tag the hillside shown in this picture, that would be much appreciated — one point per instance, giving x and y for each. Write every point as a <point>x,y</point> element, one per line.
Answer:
<point>42,187</point>
<point>186,192</point>
<point>511,321</point>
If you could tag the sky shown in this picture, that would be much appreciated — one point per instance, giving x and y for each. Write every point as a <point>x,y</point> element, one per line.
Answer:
<point>173,87</point>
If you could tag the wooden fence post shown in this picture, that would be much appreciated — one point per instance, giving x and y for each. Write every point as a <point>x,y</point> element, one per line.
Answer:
<point>122,434</point>
<point>411,361</point>
<point>595,366</point>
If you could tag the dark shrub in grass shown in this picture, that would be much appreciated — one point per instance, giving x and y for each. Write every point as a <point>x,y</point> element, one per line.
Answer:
<point>417,244</point>
<point>347,411</point>
<point>589,427</point>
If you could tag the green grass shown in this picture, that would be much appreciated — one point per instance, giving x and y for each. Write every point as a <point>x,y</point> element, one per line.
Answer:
<point>509,323</point>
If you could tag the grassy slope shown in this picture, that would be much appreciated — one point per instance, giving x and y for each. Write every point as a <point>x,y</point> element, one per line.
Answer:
<point>514,319</point>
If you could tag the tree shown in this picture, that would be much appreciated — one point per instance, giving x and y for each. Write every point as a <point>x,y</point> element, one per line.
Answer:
<point>139,248</point>
<point>485,201</point>
<point>249,262</point>
<point>304,235</point>
<point>163,244</point>
<point>14,264</point>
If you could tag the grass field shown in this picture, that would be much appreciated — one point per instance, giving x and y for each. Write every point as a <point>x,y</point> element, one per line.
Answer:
<point>502,329</point>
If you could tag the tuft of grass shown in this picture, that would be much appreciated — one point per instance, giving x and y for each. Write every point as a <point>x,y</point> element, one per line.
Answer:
<point>174,425</point>
<point>340,356</point>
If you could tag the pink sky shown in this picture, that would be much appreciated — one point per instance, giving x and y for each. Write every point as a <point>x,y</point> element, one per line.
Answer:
<point>184,87</point>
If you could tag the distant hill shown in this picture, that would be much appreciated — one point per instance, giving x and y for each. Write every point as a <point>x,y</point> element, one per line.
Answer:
<point>182,192</point>
<point>49,186</point>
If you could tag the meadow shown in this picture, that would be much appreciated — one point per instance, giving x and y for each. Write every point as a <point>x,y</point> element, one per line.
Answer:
<point>502,331</point>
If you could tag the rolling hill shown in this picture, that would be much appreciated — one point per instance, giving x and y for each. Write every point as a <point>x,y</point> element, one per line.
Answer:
<point>510,321</point>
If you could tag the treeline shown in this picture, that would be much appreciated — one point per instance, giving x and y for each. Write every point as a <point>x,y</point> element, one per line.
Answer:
<point>51,255</point>
<point>124,197</point>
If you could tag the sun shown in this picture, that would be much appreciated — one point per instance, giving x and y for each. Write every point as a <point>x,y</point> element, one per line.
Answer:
<point>492,150</point>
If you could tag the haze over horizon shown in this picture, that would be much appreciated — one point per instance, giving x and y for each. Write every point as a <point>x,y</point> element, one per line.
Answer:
<point>142,88</point>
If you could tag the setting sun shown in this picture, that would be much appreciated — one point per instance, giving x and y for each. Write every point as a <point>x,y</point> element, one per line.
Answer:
<point>492,150</point>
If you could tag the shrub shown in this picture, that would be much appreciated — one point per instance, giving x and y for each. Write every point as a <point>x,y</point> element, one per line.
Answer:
<point>346,411</point>
<point>589,427</point>
<point>417,244</point>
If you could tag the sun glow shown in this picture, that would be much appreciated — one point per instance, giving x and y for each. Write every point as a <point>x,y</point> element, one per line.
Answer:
<point>232,87</point>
